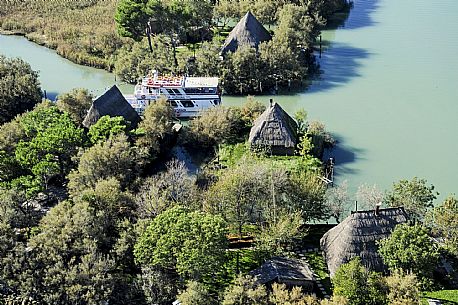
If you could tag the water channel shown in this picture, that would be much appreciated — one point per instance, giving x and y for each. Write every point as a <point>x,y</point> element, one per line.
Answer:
<point>388,91</point>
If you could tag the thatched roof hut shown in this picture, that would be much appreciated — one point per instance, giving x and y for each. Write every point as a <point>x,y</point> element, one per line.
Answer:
<point>111,103</point>
<point>357,235</point>
<point>288,271</point>
<point>275,131</point>
<point>248,32</point>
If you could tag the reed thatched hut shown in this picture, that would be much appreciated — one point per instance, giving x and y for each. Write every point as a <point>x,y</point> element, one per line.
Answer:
<point>357,235</point>
<point>248,32</point>
<point>289,271</point>
<point>274,131</point>
<point>111,103</point>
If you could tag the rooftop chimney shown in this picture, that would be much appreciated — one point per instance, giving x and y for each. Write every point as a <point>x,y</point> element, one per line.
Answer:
<point>271,103</point>
<point>377,208</point>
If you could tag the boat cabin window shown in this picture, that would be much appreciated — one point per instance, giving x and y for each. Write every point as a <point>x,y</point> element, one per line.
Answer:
<point>173,104</point>
<point>187,103</point>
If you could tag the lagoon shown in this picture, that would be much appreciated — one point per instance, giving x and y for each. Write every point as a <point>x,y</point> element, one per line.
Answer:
<point>388,90</point>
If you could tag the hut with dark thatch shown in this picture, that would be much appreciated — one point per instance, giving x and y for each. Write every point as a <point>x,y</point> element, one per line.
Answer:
<point>289,271</point>
<point>248,32</point>
<point>357,235</point>
<point>111,103</point>
<point>274,131</point>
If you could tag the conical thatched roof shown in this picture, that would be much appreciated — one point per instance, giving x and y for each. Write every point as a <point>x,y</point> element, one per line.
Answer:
<point>111,103</point>
<point>249,31</point>
<point>274,129</point>
<point>283,270</point>
<point>357,236</point>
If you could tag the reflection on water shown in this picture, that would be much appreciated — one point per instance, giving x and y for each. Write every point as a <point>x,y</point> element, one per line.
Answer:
<point>387,90</point>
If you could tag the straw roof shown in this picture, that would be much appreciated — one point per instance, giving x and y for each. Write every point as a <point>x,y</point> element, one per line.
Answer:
<point>283,270</point>
<point>248,32</point>
<point>111,103</point>
<point>274,129</point>
<point>357,236</point>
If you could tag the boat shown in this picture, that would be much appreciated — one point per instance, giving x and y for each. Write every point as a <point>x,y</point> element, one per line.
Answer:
<point>188,96</point>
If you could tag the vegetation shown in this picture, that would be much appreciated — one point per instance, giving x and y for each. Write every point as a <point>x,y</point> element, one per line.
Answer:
<point>19,88</point>
<point>414,195</point>
<point>76,103</point>
<point>359,286</point>
<point>444,223</point>
<point>409,248</point>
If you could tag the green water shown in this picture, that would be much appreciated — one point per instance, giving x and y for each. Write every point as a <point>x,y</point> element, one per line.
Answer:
<point>388,91</point>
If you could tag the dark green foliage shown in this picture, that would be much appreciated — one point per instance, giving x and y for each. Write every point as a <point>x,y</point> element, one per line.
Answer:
<point>215,126</point>
<point>19,88</point>
<point>76,103</point>
<point>192,244</point>
<point>112,158</point>
<point>38,146</point>
<point>105,127</point>
<point>414,195</point>
<point>52,139</point>
<point>155,127</point>
<point>359,286</point>
<point>443,221</point>
<point>131,18</point>
<point>410,249</point>
<point>84,249</point>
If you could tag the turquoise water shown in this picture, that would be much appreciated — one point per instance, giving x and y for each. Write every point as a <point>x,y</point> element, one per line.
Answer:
<point>388,91</point>
<point>57,74</point>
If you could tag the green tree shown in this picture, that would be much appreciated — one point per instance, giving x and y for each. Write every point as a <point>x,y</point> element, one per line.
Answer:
<point>195,293</point>
<point>135,61</point>
<point>251,110</point>
<point>131,18</point>
<point>192,244</point>
<point>244,291</point>
<point>105,127</point>
<point>19,88</point>
<point>171,187</point>
<point>51,140</point>
<point>403,289</point>
<point>443,221</point>
<point>242,71</point>
<point>83,251</point>
<point>217,125</point>
<point>112,158</point>
<point>156,126</point>
<point>281,295</point>
<point>414,195</point>
<point>298,26</point>
<point>410,249</point>
<point>357,285</point>
<point>76,103</point>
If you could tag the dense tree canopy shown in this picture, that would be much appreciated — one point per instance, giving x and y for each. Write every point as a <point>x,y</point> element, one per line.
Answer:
<point>414,195</point>
<point>443,221</point>
<point>76,103</point>
<point>410,249</point>
<point>19,88</point>
<point>191,244</point>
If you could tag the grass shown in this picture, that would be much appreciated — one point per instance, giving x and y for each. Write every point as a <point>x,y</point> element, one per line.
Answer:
<point>82,31</point>
<point>448,297</point>
<point>230,155</point>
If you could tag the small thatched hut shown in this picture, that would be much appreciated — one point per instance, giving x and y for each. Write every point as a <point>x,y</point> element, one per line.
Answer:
<point>275,131</point>
<point>248,32</point>
<point>111,103</point>
<point>288,271</point>
<point>357,235</point>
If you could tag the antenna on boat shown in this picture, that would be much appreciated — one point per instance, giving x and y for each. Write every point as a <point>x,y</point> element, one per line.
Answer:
<point>148,34</point>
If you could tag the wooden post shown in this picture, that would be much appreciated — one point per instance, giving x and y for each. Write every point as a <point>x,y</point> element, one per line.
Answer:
<point>320,45</point>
